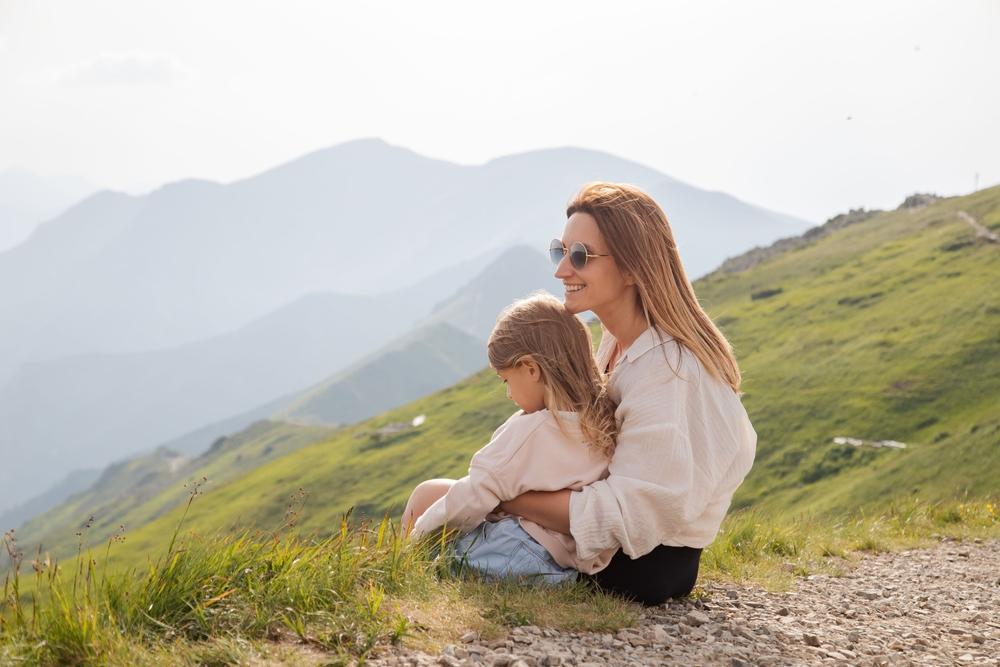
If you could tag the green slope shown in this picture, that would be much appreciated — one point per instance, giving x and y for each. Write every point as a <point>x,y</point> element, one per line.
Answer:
<point>430,358</point>
<point>137,491</point>
<point>886,329</point>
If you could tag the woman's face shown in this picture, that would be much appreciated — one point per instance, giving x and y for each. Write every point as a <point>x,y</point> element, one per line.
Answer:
<point>599,285</point>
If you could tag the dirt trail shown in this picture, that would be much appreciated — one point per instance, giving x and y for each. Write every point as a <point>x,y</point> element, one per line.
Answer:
<point>937,606</point>
<point>981,231</point>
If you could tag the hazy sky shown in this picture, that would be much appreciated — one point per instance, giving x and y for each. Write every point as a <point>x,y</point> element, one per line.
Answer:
<point>807,108</point>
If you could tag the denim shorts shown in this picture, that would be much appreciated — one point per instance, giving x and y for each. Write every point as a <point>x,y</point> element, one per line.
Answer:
<point>503,550</point>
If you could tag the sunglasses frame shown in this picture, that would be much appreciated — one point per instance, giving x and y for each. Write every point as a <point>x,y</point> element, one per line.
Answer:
<point>557,244</point>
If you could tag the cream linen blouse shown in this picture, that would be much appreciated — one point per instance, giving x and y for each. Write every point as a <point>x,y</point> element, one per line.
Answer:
<point>685,444</point>
<point>529,452</point>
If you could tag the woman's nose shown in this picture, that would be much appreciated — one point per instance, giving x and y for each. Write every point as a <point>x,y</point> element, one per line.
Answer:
<point>564,269</point>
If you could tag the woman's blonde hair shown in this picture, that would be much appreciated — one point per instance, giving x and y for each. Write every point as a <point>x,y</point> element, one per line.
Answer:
<point>639,239</point>
<point>540,328</point>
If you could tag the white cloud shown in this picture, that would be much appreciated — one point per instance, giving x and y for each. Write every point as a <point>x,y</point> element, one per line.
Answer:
<point>130,68</point>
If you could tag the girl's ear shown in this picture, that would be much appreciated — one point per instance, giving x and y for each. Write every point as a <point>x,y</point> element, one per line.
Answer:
<point>534,370</point>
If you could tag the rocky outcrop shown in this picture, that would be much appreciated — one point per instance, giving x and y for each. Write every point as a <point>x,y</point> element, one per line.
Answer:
<point>918,200</point>
<point>759,254</point>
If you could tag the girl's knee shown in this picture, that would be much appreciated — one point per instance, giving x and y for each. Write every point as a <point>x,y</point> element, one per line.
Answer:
<point>423,496</point>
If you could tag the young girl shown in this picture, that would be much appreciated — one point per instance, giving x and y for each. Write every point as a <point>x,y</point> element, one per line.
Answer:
<point>562,438</point>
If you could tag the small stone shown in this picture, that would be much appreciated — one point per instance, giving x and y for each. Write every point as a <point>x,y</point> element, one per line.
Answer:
<point>956,631</point>
<point>551,660</point>
<point>836,655</point>
<point>460,653</point>
<point>869,595</point>
<point>979,639</point>
<point>853,637</point>
<point>470,637</point>
<point>447,661</point>
<point>502,660</point>
<point>696,618</point>
<point>738,662</point>
<point>966,657</point>
<point>810,640</point>
<point>783,611</point>
<point>963,554</point>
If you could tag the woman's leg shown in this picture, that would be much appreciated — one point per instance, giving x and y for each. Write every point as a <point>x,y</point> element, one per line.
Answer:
<point>665,572</point>
<point>425,495</point>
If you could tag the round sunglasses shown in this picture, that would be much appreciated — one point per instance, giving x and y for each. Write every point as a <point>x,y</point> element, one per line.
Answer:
<point>578,253</point>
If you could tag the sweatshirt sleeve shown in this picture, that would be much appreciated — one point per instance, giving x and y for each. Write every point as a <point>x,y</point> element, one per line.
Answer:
<point>477,494</point>
<point>464,507</point>
<point>659,484</point>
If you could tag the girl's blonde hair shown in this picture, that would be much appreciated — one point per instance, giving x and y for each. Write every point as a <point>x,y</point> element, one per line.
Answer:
<point>639,239</point>
<point>540,328</point>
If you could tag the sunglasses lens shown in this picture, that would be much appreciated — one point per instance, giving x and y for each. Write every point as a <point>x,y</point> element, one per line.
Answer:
<point>556,251</point>
<point>578,255</point>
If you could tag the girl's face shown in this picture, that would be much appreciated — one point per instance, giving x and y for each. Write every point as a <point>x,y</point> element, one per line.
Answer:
<point>524,385</point>
<point>599,285</point>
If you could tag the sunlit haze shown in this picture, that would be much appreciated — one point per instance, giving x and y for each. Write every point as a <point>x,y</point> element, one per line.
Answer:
<point>805,108</point>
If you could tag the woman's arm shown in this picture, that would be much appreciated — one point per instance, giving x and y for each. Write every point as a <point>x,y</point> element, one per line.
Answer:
<point>549,509</point>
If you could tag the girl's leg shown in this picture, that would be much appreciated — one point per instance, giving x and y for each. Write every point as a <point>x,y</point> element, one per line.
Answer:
<point>425,495</point>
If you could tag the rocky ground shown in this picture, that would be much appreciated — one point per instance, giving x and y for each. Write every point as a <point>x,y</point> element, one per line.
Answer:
<point>938,606</point>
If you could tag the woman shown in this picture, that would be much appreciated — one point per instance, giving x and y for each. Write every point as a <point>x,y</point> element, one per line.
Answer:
<point>685,442</point>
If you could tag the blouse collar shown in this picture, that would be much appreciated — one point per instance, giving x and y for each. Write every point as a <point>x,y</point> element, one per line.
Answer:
<point>647,340</point>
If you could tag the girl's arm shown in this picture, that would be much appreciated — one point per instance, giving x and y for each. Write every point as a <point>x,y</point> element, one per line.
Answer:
<point>549,509</point>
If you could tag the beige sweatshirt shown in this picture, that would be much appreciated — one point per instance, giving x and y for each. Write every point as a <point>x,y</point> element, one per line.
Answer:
<point>529,452</point>
<point>685,444</point>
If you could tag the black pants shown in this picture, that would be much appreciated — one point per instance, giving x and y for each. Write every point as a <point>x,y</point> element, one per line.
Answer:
<point>665,572</point>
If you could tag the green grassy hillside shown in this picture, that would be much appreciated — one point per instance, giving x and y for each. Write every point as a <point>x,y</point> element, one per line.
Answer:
<point>886,329</point>
<point>137,491</point>
<point>430,358</point>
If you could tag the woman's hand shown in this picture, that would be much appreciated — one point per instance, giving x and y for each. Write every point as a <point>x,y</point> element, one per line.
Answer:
<point>549,509</point>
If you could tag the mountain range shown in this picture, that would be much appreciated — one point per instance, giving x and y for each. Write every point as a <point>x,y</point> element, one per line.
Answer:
<point>129,321</point>
<point>871,362</point>
<point>27,200</point>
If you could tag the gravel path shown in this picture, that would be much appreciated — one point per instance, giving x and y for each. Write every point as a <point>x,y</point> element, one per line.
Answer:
<point>938,606</point>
